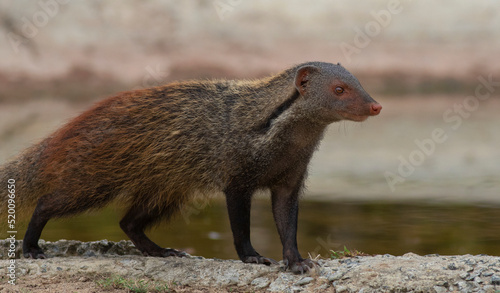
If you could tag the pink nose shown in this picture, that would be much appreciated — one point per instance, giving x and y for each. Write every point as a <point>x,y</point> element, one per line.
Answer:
<point>375,109</point>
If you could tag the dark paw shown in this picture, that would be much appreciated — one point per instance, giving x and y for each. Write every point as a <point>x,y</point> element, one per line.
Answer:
<point>300,267</point>
<point>35,253</point>
<point>259,259</point>
<point>173,252</point>
<point>164,252</point>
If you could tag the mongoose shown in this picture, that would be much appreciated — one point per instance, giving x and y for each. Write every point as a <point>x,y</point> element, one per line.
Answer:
<point>153,149</point>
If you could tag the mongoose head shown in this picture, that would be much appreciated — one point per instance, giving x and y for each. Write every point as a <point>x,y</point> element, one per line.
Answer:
<point>333,93</point>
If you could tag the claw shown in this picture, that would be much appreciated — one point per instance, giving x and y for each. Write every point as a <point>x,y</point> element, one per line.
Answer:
<point>302,266</point>
<point>34,255</point>
<point>165,252</point>
<point>174,252</point>
<point>258,259</point>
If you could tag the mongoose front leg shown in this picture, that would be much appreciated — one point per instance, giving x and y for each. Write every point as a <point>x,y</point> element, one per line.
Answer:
<point>238,206</point>
<point>285,212</point>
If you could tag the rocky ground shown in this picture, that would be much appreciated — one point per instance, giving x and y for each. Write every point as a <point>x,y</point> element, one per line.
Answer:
<point>75,266</point>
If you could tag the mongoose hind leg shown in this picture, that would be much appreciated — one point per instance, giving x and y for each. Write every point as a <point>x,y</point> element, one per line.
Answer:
<point>41,216</point>
<point>238,206</point>
<point>55,205</point>
<point>137,219</point>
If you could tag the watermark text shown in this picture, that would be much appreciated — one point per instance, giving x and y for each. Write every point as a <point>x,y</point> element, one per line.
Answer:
<point>11,224</point>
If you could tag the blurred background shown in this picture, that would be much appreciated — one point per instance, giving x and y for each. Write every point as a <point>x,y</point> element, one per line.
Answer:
<point>422,177</point>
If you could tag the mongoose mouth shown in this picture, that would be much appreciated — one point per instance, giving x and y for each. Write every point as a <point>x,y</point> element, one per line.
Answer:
<point>374,111</point>
<point>357,118</point>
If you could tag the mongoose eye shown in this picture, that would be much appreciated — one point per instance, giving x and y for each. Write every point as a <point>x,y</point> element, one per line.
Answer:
<point>339,90</point>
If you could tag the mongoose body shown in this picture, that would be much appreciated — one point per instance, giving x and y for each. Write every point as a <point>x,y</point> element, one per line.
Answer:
<point>152,149</point>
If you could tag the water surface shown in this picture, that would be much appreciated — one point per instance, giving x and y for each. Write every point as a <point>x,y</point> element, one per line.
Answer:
<point>371,227</point>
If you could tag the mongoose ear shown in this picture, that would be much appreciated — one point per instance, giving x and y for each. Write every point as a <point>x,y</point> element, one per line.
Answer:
<point>303,76</point>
